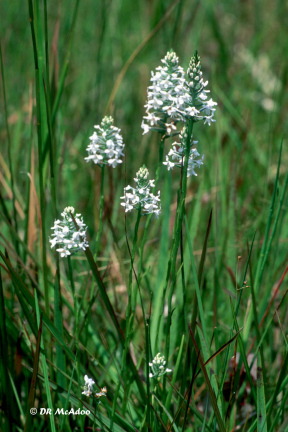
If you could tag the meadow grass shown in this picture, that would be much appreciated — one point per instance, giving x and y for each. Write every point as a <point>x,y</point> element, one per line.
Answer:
<point>205,283</point>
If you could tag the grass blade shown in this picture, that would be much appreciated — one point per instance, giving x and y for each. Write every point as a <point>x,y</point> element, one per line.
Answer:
<point>261,407</point>
<point>28,422</point>
<point>208,383</point>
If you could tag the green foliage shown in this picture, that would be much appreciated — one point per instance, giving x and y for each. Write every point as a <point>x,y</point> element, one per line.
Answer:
<point>205,288</point>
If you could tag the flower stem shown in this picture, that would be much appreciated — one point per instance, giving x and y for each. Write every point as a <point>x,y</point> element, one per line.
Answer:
<point>171,269</point>
<point>129,316</point>
<point>70,269</point>
<point>101,210</point>
<point>178,232</point>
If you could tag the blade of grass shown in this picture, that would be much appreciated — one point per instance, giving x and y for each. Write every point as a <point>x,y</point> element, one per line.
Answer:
<point>196,282</point>
<point>38,60</point>
<point>210,371</point>
<point>60,358</point>
<point>166,412</point>
<point>208,383</point>
<point>261,407</point>
<point>44,366</point>
<point>282,375</point>
<point>174,376</point>
<point>263,254</point>
<point>22,415</point>
<point>200,272</point>
<point>68,393</point>
<point>243,355</point>
<point>31,397</point>
<point>6,393</point>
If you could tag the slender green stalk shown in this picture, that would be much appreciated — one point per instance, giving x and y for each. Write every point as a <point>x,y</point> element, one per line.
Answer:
<point>175,244</point>
<point>40,160</point>
<point>44,365</point>
<point>70,270</point>
<point>101,210</point>
<point>130,312</point>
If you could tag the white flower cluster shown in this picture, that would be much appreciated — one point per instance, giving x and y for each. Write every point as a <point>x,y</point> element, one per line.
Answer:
<point>88,388</point>
<point>158,367</point>
<point>166,96</point>
<point>176,156</point>
<point>66,235</point>
<point>172,98</point>
<point>198,107</point>
<point>106,146</point>
<point>141,197</point>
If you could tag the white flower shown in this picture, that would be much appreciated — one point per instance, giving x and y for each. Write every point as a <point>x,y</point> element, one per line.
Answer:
<point>158,367</point>
<point>88,381</point>
<point>106,146</point>
<point>66,235</point>
<point>176,156</point>
<point>88,386</point>
<point>141,197</point>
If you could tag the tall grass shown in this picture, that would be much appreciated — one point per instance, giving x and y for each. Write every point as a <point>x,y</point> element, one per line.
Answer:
<point>205,284</point>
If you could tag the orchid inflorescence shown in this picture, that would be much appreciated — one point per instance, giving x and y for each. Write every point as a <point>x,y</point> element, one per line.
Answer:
<point>158,367</point>
<point>141,197</point>
<point>66,235</point>
<point>176,156</point>
<point>106,146</point>
<point>172,98</point>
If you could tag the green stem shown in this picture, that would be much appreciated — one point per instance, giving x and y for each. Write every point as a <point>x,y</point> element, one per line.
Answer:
<point>129,318</point>
<point>40,164</point>
<point>101,210</point>
<point>75,313</point>
<point>175,244</point>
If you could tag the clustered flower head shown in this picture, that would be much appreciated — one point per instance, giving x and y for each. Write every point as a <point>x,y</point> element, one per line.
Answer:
<point>106,146</point>
<point>172,98</point>
<point>198,107</point>
<point>166,96</point>
<point>66,236</point>
<point>88,388</point>
<point>176,156</point>
<point>158,367</point>
<point>141,197</point>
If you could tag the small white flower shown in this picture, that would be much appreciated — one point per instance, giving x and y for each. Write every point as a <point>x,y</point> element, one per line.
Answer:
<point>66,235</point>
<point>88,381</point>
<point>141,197</point>
<point>106,146</point>
<point>88,386</point>
<point>158,367</point>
